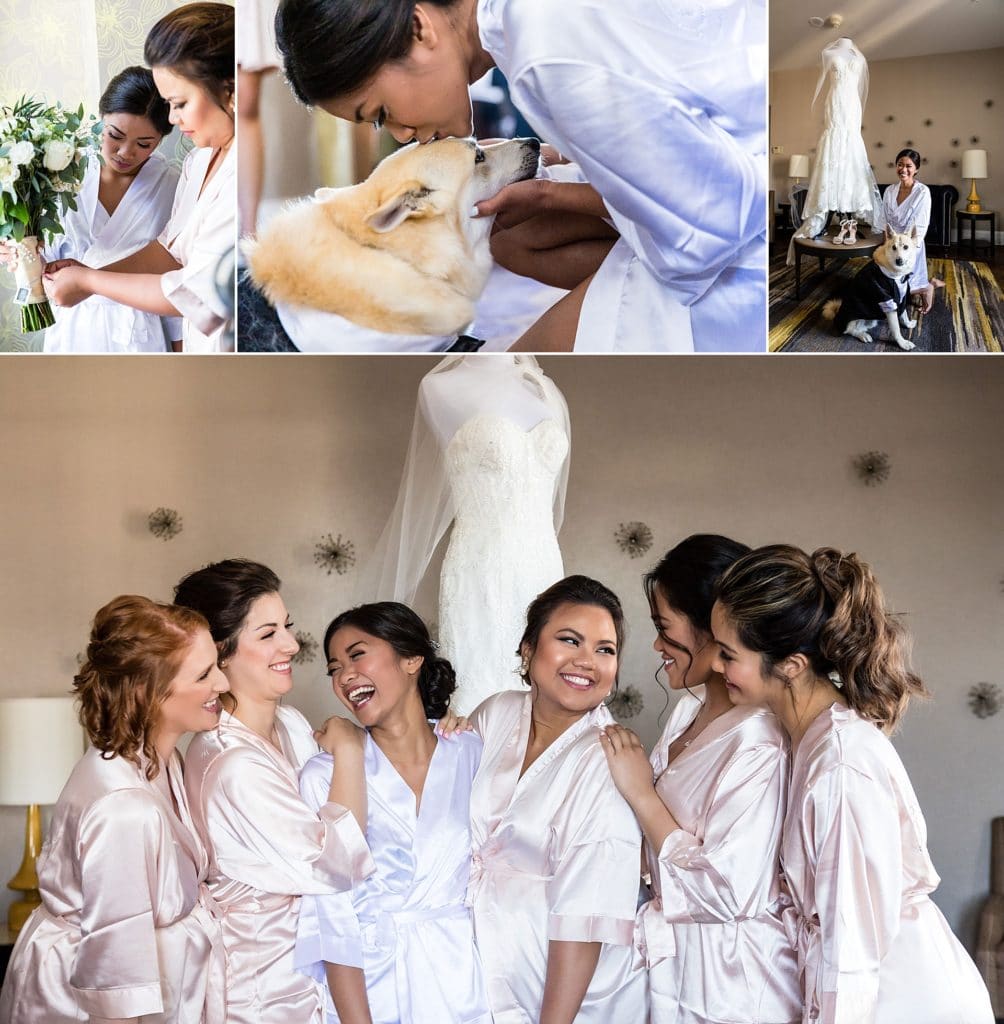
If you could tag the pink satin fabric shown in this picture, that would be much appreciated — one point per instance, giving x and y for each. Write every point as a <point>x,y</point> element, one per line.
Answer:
<point>266,849</point>
<point>555,855</point>
<point>124,929</point>
<point>873,948</point>
<point>716,948</point>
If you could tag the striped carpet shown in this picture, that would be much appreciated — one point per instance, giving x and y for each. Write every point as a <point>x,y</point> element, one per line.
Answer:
<point>968,313</point>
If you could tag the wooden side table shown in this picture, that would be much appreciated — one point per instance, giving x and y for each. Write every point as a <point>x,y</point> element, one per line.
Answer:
<point>974,247</point>
<point>825,248</point>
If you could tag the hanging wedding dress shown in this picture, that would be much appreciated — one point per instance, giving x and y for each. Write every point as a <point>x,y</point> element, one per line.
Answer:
<point>842,179</point>
<point>489,453</point>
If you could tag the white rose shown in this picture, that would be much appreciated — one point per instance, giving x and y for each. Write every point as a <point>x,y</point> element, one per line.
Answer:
<point>58,154</point>
<point>8,175</point>
<point>21,153</point>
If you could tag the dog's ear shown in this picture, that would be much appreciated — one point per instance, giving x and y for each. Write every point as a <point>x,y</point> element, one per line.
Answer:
<point>913,234</point>
<point>412,202</point>
<point>322,195</point>
<point>888,233</point>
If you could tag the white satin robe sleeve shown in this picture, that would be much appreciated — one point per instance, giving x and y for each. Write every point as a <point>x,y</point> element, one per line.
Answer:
<point>328,928</point>
<point>684,194</point>
<point>264,834</point>
<point>853,828</point>
<point>594,887</point>
<point>116,971</point>
<point>720,878</point>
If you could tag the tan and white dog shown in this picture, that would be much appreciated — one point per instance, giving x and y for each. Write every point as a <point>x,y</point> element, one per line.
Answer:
<point>399,253</point>
<point>880,291</point>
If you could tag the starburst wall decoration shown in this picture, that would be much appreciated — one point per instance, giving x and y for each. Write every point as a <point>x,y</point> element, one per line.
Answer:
<point>308,647</point>
<point>984,699</point>
<point>873,467</point>
<point>633,538</point>
<point>335,554</point>
<point>626,703</point>
<point>164,523</point>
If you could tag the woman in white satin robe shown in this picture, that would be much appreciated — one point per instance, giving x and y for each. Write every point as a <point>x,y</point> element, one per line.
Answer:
<point>399,948</point>
<point>125,929</point>
<point>266,847</point>
<point>555,847</point>
<point>711,936</point>
<point>809,636</point>
<point>659,102</point>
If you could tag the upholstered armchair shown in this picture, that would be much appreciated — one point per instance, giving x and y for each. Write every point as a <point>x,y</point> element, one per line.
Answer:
<point>990,945</point>
<point>939,231</point>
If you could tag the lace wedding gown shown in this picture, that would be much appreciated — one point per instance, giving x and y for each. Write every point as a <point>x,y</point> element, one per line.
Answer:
<point>842,179</point>
<point>503,549</point>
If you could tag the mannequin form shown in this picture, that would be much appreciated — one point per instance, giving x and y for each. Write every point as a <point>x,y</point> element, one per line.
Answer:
<point>842,179</point>
<point>489,455</point>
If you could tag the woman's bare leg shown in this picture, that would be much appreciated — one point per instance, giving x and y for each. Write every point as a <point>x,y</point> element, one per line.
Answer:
<point>555,330</point>
<point>250,148</point>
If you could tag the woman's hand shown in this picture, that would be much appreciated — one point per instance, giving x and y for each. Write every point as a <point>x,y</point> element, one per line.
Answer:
<point>60,264</point>
<point>452,725</point>
<point>66,286</point>
<point>629,764</point>
<point>525,199</point>
<point>8,255</point>
<point>340,735</point>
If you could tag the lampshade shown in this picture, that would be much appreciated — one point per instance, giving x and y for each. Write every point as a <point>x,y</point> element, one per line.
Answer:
<point>798,166</point>
<point>40,742</point>
<point>974,163</point>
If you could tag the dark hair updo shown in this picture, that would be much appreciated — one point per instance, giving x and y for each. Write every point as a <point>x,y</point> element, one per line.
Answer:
<point>829,607</point>
<point>408,635</point>
<point>223,594</point>
<point>196,41</point>
<point>135,650</point>
<point>570,590</point>
<point>687,576</point>
<point>912,154</point>
<point>331,48</point>
<point>132,91</point>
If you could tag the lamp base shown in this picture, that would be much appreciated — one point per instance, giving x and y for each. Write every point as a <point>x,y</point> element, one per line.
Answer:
<point>26,879</point>
<point>973,199</point>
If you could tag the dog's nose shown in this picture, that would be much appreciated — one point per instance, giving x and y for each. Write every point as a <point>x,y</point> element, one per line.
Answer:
<point>534,144</point>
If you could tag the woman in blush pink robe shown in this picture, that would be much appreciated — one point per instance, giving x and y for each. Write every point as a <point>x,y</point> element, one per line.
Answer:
<point>125,931</point>
<point>554,869</point>
<point>267,848</point>
<point>809,635</point>
<point>712,934</point>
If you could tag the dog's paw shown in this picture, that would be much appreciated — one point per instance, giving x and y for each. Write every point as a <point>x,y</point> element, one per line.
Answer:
<point>906,346</point>
<point>908,323</point>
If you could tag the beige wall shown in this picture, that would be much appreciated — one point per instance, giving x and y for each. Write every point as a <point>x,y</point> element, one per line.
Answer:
<point>950,90</point>
<point>263,458</point>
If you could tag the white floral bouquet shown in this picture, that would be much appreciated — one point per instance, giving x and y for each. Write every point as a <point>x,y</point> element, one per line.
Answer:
<point>43,156</point>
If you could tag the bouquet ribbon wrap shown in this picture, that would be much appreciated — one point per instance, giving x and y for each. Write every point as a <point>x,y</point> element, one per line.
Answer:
<point>28,272</point>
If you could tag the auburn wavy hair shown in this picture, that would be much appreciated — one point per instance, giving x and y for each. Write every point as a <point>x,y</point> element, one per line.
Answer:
<point>135,651</point>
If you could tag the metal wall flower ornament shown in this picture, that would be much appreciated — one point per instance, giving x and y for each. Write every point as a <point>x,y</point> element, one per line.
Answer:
<point>164,523</point>
<point>633,538</point>
<point>873,467</point>
<point>308,647</point>
<point>335,554</point>
<point>626,703</point>
<point>984,699</point>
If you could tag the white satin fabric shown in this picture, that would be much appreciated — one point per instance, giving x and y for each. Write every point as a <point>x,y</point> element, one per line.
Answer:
<point>125,928</point>
<point>842,179</point>
<point>202,230</point>
<point>503,550</point>
<point>872,946</point>
<point>661,104</point>
<point>915,210</point>
<point>89,235</point>
<point>407,926</point>
<point>266,848</point>
<point>712,936</point>
<point>314,331</point>
<point>556,855</point>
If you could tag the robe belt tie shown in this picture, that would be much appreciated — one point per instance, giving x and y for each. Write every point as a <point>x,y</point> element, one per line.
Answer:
<point>654,938</point>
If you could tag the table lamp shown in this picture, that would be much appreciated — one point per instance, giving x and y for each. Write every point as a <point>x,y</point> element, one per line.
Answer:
<point>974,165</point>
<point>40,742</point>
<point>798,167</point>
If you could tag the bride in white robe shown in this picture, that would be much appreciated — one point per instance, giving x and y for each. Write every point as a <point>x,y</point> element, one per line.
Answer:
<point>96,238</point>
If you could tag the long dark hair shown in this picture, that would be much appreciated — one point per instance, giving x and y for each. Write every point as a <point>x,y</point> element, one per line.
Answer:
<point>132,91</point>
<point>408,635</point>
<point>332,48</point>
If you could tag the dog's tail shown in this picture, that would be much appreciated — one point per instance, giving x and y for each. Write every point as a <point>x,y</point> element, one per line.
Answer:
<point>831,309</point>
